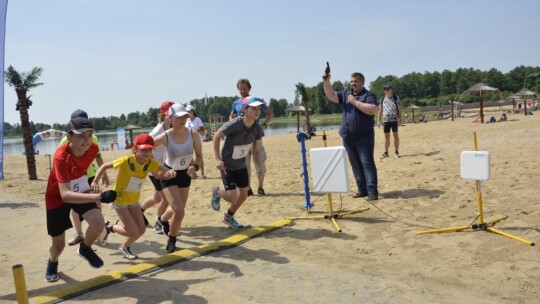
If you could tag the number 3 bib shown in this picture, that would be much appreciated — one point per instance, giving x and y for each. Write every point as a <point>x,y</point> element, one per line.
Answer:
<point>241,151</point>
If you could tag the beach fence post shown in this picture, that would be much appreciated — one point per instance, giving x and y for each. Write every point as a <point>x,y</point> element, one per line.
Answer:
<point>20,284</point>
<point>475,165</point>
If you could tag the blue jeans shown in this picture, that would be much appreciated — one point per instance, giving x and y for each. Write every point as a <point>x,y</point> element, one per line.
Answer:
<point>360,152</point>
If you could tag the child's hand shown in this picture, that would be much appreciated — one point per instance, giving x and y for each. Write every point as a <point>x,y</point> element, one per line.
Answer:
<point>94,188</point>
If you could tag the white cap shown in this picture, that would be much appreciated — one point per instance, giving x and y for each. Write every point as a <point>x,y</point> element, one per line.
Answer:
<point>177,110</point>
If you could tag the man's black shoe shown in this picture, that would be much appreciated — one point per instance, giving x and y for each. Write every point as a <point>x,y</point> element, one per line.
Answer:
<point>360,194</point>
<point>372,197</point>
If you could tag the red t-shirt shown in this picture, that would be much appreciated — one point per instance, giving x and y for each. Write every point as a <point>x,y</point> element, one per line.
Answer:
<point>67,168</point>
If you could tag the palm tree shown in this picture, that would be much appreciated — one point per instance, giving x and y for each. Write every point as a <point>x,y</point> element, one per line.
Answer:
<point>23,82</point>
<point>301,89</point>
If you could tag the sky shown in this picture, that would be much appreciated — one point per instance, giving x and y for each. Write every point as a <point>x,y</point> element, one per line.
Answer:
<point>117,56</point>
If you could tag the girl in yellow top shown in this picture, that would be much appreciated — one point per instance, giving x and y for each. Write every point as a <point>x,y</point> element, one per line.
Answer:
<point>132,173</point>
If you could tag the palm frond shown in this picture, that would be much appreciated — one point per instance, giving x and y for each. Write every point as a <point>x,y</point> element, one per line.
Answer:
<point>12,77</point>
<point>31,78</point>
<point>301,89</point>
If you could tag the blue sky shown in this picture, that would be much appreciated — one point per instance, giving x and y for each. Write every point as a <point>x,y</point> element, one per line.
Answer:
<point>118,56</point>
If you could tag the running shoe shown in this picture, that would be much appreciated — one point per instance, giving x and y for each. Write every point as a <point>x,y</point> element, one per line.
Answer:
<point>261,191</point>
<point>76,239</point>
<point>384,155</point>
<point>102,239</point>
<point>215,202</point>
<point>145,220</point>
<point>171,244</point>
<point>127,253</point>
<point>88,253</point>
<point>397,154</point>
<point>203,176</point>
<point>229,220</point>
<point>158,227</point>
<point>51,275</point>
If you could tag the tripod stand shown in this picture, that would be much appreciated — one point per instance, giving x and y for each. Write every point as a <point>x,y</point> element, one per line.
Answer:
<point>331,215</point>
<point>485,226</point>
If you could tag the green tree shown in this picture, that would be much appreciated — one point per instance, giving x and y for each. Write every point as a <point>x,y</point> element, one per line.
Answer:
<point>23,82</point>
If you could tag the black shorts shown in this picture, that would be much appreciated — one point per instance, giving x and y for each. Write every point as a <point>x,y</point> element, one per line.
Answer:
<point>182,180</point>
<point>58,220</point>
<point>235,178</point>
<point>156,182</point>
<point>390,125</point>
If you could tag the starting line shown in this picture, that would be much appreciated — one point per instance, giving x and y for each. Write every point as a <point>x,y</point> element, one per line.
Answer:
<point>68,292</point>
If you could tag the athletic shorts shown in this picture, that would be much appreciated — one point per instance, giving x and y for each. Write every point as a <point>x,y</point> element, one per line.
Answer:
<point>235,178</point>
<point>390,125</point>
<point>156,182</point>
<point>182,180</point>
<point>58,220</point>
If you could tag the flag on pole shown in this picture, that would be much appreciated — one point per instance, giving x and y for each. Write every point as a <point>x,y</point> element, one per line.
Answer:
<point>3,11</point>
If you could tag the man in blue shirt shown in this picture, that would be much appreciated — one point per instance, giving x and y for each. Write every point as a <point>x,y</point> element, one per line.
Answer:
<point>359,109</point>
<point>244,86</point>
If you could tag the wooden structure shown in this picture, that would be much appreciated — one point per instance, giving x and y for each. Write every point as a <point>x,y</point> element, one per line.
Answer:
<point>130,128</point>
<point>215,120</point>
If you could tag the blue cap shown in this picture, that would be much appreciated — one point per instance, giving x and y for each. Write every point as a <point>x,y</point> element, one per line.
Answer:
<point>251,102</point>
<point>79,113</point>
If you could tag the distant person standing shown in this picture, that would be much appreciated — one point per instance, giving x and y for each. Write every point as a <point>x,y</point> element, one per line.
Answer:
<point>359,109</point>
<point>390,112</point>
<point>244,87</point>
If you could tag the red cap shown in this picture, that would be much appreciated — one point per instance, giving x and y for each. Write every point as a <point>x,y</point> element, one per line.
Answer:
<point>144,141</point>
<point>164,109</point>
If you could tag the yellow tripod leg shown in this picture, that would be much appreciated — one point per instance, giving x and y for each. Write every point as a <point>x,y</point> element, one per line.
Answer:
<point>508,235</point>
<point>495,221</point>
<point>442,230</point>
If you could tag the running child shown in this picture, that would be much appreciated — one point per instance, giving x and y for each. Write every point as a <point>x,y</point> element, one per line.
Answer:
<point>68,189</point>
<point>132,172</point>
<point>241,134</point>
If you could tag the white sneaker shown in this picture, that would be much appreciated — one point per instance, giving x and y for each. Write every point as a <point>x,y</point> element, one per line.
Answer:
<point>102,238</point>
<point>127,253</point>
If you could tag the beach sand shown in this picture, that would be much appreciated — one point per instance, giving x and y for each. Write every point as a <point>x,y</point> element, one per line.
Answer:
<point>377,258</point>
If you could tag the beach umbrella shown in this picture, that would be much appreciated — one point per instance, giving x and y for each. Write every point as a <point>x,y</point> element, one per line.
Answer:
<point>130,128</point>
<point>524,93</point>
<point>296,110</point>
<point>412,107</point>
<point>479,89</point>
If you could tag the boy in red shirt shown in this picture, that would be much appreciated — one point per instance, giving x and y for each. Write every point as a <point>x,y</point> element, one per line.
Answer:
<point>68,189</point>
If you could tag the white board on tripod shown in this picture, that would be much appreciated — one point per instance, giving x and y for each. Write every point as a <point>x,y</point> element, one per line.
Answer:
<point>475,165</point>
<point>329,170</point>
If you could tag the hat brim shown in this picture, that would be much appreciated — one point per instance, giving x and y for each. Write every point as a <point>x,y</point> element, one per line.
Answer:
<point>144,146</point>
<point>81,131</point>
<point>180,114</point>
<point>253,104</point>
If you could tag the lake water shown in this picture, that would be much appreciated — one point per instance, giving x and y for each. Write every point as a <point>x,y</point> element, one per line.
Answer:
<point>48,146</point>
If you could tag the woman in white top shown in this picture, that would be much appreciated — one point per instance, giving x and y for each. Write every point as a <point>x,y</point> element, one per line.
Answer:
<point>180,143</point>
<point>196,123</point>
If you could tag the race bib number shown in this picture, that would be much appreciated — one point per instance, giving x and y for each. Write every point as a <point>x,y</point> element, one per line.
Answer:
<point>80,184</point>
<point>182,162</point>
<point>241,151</point>
<point>135,184</point>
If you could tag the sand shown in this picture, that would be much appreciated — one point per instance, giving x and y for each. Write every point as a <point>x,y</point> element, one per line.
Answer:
<point>377,258</point>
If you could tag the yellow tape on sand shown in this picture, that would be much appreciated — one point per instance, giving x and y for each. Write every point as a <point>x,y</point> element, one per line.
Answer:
<point>114,277</point>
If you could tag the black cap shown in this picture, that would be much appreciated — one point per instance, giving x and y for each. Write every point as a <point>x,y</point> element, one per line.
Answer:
<point>79,125</point>
<point>388,86</point>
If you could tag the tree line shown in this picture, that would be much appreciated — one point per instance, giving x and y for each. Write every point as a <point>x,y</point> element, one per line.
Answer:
<point>421,89</point>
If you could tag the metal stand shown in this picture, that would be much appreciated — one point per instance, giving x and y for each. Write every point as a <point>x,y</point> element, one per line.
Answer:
<point>485,226</point>
<point>331,215</point>
<point>302,136</point>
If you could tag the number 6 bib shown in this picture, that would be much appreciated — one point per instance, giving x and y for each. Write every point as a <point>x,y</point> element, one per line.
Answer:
<point>182,162</point>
